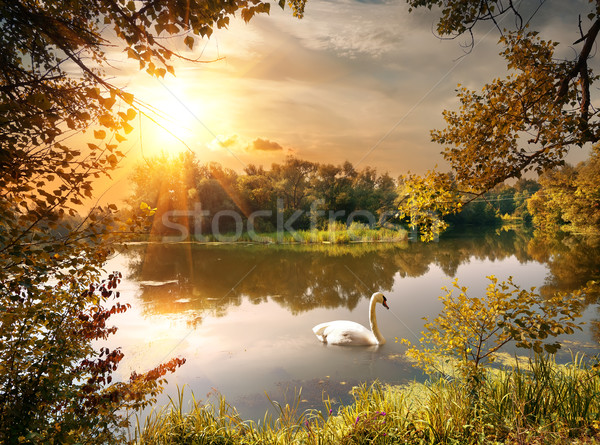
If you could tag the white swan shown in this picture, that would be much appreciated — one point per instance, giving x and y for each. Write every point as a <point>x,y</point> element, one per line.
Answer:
<point>349,333</point>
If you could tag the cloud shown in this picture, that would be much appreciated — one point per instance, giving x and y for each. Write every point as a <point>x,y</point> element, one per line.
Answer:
<point>264,145</point>
<point>349,29</point>
<point>224,142</point>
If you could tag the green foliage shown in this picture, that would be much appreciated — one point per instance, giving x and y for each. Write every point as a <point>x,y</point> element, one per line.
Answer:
<point>482,211</point>
<point>56,388</point>
<point>182,185</point>
<point>471,330</point>
<point>502,202</point>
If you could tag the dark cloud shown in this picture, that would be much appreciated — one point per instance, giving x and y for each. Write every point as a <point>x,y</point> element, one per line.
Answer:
<point>264,145</point>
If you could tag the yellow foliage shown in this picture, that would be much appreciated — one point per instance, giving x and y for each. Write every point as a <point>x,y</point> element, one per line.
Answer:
<point>470,331</point>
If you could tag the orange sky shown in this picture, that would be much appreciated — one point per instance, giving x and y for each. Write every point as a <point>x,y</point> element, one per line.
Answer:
<point>363,81</point>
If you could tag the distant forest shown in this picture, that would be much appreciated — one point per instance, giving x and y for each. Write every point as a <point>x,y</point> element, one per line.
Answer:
<point>296,190</point>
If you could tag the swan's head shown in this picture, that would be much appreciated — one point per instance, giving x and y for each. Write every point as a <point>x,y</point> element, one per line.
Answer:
<point>379,298</point>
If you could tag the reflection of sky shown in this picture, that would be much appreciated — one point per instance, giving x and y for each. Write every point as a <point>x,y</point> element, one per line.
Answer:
<point>259,346</point>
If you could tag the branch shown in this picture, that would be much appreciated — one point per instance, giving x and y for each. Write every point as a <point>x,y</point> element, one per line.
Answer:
<point>581,64</point>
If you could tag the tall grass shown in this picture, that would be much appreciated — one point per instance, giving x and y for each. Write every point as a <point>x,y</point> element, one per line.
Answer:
<point>335,233</point>
<point>545,403</point>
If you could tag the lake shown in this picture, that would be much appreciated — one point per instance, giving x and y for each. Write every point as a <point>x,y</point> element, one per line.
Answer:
<point>242,315</point>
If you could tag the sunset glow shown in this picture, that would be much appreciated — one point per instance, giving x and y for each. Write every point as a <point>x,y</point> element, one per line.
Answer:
<point>328,88</point>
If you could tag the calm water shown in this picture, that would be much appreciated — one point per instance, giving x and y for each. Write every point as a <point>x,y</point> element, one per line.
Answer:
<point>242,314</point>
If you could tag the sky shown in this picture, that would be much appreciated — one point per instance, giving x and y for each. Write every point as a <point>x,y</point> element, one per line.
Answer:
<point>360,81</point>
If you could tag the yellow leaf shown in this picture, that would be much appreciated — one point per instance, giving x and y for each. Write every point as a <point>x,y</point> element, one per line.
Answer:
<point>127,97</point>
<point>126,127</point>
<point>105,120</point>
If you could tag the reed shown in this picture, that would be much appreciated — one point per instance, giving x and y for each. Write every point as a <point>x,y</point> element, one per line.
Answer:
<point>335,233</point>
<point>543,403</point>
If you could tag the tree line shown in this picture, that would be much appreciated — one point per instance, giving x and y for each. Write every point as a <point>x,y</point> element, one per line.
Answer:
<point>186,192</point>
<point>304,194</point>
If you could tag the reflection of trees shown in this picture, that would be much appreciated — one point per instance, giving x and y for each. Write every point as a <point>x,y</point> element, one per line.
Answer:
<point>572,260</point>
<point>214,277</point>
<point>211,278</point>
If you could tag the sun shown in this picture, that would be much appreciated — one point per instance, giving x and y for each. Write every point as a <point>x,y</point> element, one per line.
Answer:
<point>171,122</point>
<point>183,113</point>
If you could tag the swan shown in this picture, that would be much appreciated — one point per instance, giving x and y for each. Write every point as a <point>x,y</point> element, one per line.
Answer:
<point>349,333</point>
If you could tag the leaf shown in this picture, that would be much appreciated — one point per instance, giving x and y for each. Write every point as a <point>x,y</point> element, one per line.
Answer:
<point>106,120</point>
<point>99,134</point>
<point>108,102</point>
<point>126,127</point>
<point>132,54</point>
<point>189,41</point>
<point>127,97</point>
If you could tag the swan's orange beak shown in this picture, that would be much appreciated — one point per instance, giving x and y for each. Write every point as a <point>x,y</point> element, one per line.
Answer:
<point>385,304</point>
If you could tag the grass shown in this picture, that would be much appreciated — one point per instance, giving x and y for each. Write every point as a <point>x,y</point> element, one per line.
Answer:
<point>335,233</point>
<point>543,403</point>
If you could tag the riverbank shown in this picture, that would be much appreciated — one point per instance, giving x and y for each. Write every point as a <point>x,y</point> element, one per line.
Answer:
<point>337,234</point>
<point>541,402</point>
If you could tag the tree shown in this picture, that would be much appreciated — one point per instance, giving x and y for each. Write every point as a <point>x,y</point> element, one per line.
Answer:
<point>292,180</point>
<point>569,199</point>
<point>471,330</point>
<point>527,121</point>
<point>54,388</point>
<point>524,122</point>
<point>327,185</point>
<point>424,201</point>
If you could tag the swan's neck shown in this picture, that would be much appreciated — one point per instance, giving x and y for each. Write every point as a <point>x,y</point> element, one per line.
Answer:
<point>373,323</point>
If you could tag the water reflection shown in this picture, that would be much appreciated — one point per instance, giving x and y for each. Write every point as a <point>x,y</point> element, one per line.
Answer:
<point>248,310</point>
<point>209,278</point>
<point>573,261</point>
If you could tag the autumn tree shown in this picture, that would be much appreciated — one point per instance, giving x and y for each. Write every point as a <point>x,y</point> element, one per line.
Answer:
<point>524,122</point>
<point>54,388</point>
<point>470,330</point>
<point>569,200</point>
